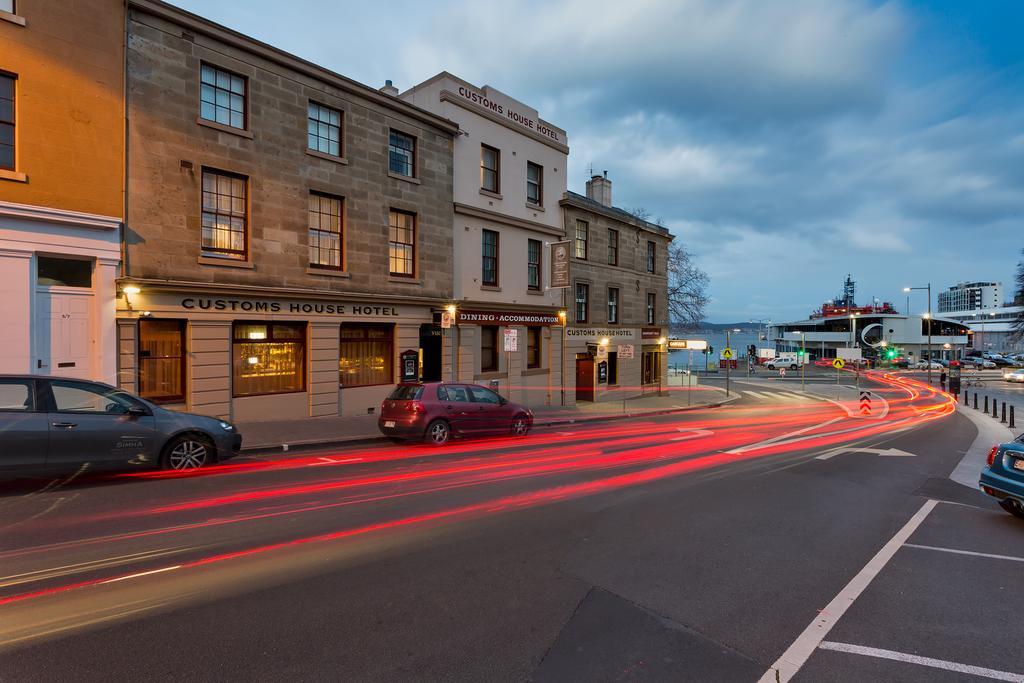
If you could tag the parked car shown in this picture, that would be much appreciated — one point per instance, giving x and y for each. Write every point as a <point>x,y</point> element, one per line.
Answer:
<point>57,423</point>
<point>1002,362</point>
<point>438,411</point>
<point>1003,476</point>
<point>979,363</point>
<point>1014,375</point>
<point>776,363</point>
<point>924,365</point>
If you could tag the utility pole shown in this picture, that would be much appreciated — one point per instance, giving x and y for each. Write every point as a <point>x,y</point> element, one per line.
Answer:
<point>803,358</point>
<point>727,364</point>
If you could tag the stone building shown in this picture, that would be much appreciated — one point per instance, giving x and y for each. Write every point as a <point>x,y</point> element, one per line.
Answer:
<point>510,173</point>
<point>288,241</point>
<point>618,314</point>
<point>61,186</point>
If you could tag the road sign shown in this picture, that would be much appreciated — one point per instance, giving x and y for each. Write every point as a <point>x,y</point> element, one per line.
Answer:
<point>727,354</point>
<point>839,363</point>
<point>865,403</point>
<point>624,351</point>
<point>511,339</point>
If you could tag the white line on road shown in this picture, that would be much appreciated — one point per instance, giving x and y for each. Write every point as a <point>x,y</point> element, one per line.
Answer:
<point>966,552</point>
<point>888,452</point>
<point>923,661</point>
<point>793,659</point>
<point>694,434</point>
<point>135,576</point>
<point>772,441</point>
<point>332,461</point>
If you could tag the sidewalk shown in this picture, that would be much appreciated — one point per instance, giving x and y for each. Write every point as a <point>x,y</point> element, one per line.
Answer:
<point>267,436</point>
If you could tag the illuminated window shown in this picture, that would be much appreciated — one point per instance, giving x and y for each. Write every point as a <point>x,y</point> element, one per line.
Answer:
<point>402,154</point>
<point>269,358</point>
<point>325,236</point>
<point>533,345</point>
<point>225,214</point>
<point>488,348</point>
<point>490,169</point>
<point>533,251</point>
<point>582,302</point>
<point>489,265</point>
<point>613,305</point>
<point>613,247</point>
<point>582,230</point>
<point>650,308</point>
<point>222,97</point>
<point>162,360</point>
<point>534,183</point>
<point>367,355</point>
<point>402,243</point>
<point>324,129</point>
<point>7,120</point>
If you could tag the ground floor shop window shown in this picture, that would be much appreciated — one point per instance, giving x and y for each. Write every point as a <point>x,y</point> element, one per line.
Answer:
<point>488,348</point>
<point>533,346</point>
<point>269,358</point>
<point>651,374</point>
<point>162,360</point>
<point>367,355</point>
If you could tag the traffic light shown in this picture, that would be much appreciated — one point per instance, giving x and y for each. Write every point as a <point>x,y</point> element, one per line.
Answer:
<point>800,352</point>
<point>890,353</point>
<point>711,349</point>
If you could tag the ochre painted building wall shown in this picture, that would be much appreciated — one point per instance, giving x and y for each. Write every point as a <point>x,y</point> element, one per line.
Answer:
<point>68,59</point>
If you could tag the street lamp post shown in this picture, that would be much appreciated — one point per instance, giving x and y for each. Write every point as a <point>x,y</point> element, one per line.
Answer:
<point>802,357</point>
<point>927,316</point>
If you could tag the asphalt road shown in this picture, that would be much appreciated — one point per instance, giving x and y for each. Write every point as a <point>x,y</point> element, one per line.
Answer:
<point>695,546</point>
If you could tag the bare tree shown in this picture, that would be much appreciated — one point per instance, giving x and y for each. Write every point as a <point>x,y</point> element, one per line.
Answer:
<point>687,284</point>
<point>687,288</point>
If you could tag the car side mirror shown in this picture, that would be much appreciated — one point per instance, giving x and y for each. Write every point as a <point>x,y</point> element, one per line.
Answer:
<point>137,411</point>
<point>502,400</point>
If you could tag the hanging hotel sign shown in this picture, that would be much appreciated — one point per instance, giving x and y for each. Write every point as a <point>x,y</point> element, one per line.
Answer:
<point>650,333</point>
<point>507,318</point>
<point>560,265</point>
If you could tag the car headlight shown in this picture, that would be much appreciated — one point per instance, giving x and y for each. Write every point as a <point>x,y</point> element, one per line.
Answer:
<point>227,426</point>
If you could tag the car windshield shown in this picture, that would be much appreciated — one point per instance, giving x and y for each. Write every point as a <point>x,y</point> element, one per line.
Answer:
<point>406,392</point>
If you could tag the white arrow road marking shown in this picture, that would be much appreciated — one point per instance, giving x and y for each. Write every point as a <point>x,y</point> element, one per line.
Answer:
<point>694,434</point>
<point>333,461</point>
<point>774,440</point>
<point>885,452</point>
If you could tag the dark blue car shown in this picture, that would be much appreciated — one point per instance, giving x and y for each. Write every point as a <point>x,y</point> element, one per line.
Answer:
<point>1003,477</point>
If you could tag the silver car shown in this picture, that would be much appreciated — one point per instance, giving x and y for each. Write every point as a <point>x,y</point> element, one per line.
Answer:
<point>56,423</point>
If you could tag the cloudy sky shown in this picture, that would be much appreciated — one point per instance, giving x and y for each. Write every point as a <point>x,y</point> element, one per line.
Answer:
<point>786,143</point>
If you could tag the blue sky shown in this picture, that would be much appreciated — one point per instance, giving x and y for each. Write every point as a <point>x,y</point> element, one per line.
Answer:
<point>786,143</point>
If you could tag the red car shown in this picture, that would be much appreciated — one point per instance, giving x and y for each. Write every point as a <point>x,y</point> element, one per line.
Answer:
<point>437,411</point>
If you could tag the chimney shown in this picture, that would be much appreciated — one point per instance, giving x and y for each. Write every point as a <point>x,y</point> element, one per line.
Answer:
<point>389,89</point>
<point>599,188</point>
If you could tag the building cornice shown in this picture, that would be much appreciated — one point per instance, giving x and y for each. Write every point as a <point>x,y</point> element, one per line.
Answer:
<point>48,214</point>
<point>198,24</point>
<point>449,96</point>
<point>158,285</point>
<point>476,212</point>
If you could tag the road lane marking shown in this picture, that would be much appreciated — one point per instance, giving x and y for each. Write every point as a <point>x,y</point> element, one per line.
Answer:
<point>135,576</point>
<point>772,441</point>
<point>332,461</point>
<point>694,434</point>
<point>887,452</point>
<point>793,659</point>
<point>923,661</point>
<point>965,552</point>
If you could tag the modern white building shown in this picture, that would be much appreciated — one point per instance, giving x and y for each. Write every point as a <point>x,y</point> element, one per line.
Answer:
<point>971,296</point>
<point>992,330</point>
<point>509,175</point>
<point>822,337</point>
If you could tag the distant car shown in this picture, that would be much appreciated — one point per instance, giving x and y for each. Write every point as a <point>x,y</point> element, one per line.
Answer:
<point>943,362</point>
<point>924,365</point>
<point>1002,362</point>
<point>776,363</point>
<point>1014,375</point>
<point>57,423</point>
<point>437,411</point>
<point>979,363</point>
<point>1003,476</point>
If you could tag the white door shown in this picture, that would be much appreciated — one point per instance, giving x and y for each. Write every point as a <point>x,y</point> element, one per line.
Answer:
<point>63,333</point>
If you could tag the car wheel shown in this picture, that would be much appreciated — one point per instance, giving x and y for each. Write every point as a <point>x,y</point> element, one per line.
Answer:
<point>187,452</point>
<point>438,433</point>
<point>792,367</point>
<point>1013,507</point>
<point>520,425</point>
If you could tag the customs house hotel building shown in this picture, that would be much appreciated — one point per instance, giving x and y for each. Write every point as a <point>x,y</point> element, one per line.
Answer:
<point>288,232</point>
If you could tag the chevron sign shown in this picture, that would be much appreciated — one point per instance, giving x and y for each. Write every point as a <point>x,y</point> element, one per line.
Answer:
<point>865,403</point>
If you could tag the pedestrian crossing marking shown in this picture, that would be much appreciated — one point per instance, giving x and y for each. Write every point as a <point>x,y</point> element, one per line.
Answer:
<point>775,396</point>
